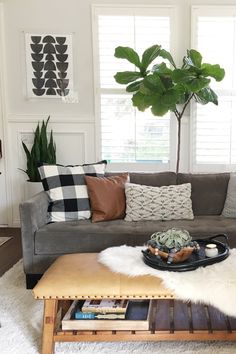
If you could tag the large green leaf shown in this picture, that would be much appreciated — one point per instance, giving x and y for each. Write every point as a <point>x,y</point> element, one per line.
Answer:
<point>162,69</point>
<point>166,55</point>
<point>181,76</point>
<point>142,101</point>
<point>159,108</point>
<point>214,71</point>
<point>144,90</point>
<point>170,98</point>
<point>128,54</point>
<point>167,81</point>
<point>197,84</point>
<point>194,58</point>
<point>149,55</point>
<point>134,86</point>
<point>125,77</point>
<point>206,95</point>
<point>191,80</point>
<point>154,83</point>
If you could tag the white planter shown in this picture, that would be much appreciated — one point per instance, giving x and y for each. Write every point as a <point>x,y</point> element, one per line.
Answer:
<point>32,188</point>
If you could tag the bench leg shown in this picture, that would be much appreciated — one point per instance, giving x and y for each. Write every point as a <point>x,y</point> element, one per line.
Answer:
<point>49,323</point>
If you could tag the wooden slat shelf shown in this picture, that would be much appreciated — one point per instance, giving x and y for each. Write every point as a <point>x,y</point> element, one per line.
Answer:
<point>170,320</point>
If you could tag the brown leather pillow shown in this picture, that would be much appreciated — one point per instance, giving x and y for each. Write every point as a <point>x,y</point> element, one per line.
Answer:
<point>107,196</point>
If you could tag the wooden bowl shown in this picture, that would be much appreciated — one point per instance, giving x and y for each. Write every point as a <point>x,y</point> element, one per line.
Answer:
<point>179,256</point>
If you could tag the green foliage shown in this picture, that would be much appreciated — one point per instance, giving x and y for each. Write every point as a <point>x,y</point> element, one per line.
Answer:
<point>172,238</point>
<point>169,86</point>
<point>165,87</point>
<point>42,151</point>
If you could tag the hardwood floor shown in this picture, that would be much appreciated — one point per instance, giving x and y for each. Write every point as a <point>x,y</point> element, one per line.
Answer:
<point>10,251</point>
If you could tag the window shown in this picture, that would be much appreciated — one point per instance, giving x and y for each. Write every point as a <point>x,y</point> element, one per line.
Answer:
<point>127,135</point>
<point>214,127</point>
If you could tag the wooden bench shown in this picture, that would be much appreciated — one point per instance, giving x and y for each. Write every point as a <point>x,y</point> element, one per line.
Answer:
<point>80,276</point>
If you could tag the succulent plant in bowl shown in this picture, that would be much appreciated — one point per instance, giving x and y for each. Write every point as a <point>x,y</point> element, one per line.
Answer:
<point>172,238</point>
<point>172,245</point>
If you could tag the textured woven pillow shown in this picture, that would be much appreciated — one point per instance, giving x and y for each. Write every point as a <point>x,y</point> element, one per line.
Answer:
<point>158,203</point>
<point>67,189</point>
<point>229,210</point>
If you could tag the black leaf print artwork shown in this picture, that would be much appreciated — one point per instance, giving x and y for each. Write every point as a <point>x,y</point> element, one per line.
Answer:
<point>50,65</point>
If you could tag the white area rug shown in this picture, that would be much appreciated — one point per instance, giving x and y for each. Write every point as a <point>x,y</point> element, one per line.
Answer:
<point>214,285</point>
<point>20,332</point>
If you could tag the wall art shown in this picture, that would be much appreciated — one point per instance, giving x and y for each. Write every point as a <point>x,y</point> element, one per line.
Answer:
<point>49,65</point>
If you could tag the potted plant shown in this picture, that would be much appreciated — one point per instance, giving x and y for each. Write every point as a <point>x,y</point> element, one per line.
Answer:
<point>168,88</point>
<point>43,150</point>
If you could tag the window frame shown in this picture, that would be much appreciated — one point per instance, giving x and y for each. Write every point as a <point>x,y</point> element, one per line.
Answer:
<point>207,11</point>
<point>146,10</point>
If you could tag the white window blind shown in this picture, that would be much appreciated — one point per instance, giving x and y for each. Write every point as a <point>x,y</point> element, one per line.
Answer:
<point>214,127</point>
<point>127,135</point>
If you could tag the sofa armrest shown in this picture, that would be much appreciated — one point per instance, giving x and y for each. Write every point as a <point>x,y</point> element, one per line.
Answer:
<point>33,215</point>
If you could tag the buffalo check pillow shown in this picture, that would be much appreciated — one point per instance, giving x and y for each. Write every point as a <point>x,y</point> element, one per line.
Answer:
<point>67,190</point>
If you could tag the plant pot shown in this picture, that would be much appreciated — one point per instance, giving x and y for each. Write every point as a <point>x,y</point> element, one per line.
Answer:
<point>179,256</point>
<point>32,188</point>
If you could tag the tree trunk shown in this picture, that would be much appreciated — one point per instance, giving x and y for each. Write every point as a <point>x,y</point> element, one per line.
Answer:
<point>178,144</point>
<point>179,116</point>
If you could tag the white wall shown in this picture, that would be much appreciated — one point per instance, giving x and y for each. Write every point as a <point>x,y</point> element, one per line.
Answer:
<point>73,124</point>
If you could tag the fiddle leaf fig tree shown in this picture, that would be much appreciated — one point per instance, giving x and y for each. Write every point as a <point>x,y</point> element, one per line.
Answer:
<point>165,88</point>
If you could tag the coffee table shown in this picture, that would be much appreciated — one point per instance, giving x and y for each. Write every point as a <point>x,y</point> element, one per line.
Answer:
<point>81,276</point>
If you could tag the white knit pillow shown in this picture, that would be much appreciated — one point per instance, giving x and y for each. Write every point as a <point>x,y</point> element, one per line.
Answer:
<point>158,203</point>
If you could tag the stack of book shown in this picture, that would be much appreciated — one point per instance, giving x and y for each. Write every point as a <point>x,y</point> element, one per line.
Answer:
<point>102,309</point>
<point>108,315</point>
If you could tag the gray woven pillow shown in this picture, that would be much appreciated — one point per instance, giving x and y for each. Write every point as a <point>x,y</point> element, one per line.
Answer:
<point>158,203</point>
<point>229,210</point>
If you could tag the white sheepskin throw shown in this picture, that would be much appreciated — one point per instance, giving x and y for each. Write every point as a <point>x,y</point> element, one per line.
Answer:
<point>214,285</point>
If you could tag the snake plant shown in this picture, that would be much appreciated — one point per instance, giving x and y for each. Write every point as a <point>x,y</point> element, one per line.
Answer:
<point>43,150</point>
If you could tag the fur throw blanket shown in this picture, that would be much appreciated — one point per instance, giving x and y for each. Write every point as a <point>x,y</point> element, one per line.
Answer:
<point>214,285</point>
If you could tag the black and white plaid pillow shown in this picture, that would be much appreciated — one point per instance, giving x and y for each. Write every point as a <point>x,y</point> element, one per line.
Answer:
<point>67,189</point>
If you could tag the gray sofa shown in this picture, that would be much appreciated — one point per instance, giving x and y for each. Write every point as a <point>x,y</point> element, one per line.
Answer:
<point>43,243</point>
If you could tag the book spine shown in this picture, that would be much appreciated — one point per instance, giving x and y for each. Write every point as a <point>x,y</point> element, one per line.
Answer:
<point>91,316</point>
<point>103,310</point>
<point>84,316</point>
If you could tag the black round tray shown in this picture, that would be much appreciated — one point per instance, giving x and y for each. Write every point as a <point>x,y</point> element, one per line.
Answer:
<point>197,259</point>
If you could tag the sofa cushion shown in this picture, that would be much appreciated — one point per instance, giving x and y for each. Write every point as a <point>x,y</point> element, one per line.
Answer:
<point>67,189</point>
<point>107,197</point>
<point>154,179</point>
<point>229,210</point>
<point>208,191</point>
<point>158,203</point>
<point>85,236</point>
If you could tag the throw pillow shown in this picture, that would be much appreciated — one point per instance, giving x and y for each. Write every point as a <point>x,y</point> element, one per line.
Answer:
<point>67,189</point>
<point>229,210</point>
<point>158,203</point>
<point>107,197</point>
